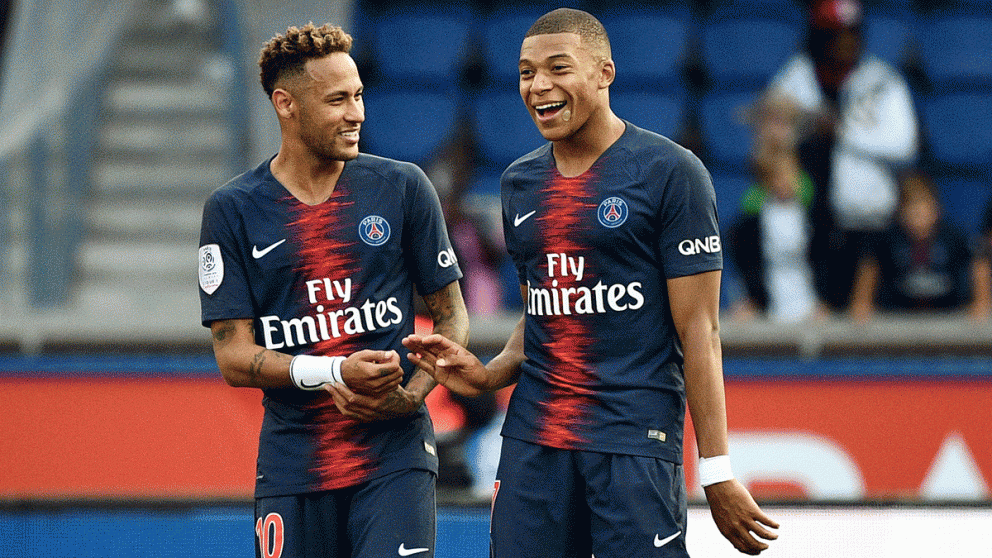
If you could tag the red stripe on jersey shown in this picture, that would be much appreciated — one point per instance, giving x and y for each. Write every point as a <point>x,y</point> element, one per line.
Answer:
<point>569,399</point>
<point>320,230</point>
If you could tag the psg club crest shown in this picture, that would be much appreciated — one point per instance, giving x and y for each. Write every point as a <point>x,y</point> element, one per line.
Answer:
<point>374,230</point>
<point>612,212</point>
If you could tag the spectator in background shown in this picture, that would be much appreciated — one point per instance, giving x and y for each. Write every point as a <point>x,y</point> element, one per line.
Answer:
<point>769,241</point>
<point>981,270</point>
<point>479,249</point>
<point>922,262</point>
<point>476,238</point>
<point>865,129</point>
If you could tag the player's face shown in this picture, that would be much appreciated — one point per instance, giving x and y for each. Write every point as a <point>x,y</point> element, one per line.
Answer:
<point>561,83</point>
<point>331,109</point>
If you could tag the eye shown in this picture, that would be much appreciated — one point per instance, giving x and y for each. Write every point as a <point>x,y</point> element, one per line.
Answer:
<point>526,72</point>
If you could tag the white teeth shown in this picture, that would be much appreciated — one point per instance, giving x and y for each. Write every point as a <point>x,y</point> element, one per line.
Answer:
<point>549,105</point>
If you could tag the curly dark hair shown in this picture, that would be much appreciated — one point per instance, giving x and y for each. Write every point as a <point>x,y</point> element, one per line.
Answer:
<point>285,55</point>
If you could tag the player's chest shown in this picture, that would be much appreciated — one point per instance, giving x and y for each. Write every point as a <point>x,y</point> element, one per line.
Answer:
<point>345,233</point>
<point>574,214</point>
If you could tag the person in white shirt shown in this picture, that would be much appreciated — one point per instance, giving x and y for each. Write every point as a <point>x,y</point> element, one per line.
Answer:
<point>865,131</point>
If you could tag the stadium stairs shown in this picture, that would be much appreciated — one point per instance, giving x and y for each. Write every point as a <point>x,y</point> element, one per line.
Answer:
<point>161,148</point>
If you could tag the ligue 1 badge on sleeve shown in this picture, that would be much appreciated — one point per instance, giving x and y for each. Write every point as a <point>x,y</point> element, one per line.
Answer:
<point>211,270</point>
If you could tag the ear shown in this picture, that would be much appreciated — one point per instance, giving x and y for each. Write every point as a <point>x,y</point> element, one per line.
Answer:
<point>284,103</point>
<point>607,73</point>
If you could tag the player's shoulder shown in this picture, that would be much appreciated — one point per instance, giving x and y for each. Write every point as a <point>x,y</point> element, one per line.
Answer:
<point>644,151</point>
<point>383,167</point>
<point>537,161</point>
<point>243,186</point>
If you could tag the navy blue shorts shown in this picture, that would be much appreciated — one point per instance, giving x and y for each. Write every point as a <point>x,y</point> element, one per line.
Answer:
<point>552,503</point>
<point>394,515</point>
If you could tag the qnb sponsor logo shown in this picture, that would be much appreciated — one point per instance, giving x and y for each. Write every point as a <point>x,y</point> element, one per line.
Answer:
<point>710,245</point>
<point>446,258</point>
<point>598,299</point>
<point>323,326</point>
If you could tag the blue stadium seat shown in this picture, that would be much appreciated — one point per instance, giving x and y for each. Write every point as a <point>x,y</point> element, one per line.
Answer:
<point>964,200</point>
<point>726,136</point>
<point>407,125</point>
<point>791,11</point>
<point>423,47</point>
<point>503,34</point>
<point>650,46</point>
<point>729,187</point>
<point>662,114</point>
<point>955,48</point>
<point>486,183</point>
<point>889,38</point>
<point>504,128</point>
<point>744,52</point>
<point>958,129</point>
<point>974,6</point>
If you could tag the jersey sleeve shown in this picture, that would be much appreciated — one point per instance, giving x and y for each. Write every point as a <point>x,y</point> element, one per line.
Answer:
<point>223,284</point>
<point>689,241</point>
<point>426,243</point>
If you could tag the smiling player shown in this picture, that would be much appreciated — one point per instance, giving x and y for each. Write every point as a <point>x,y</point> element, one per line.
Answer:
<point>308,267</point>
<point>614,233</point>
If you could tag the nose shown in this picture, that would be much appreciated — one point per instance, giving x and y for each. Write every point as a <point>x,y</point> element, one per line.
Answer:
<point>356,110</point>
<point>541,83</point>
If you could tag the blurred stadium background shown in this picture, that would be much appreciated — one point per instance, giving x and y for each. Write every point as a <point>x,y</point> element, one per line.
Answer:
<point>120,116</point>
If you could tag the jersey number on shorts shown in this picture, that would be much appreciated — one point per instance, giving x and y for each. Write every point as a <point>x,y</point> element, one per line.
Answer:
<point>271,533</point>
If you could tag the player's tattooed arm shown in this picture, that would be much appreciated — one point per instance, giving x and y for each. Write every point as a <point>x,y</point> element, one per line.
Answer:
<point>447,309</point>
<point>242,362</point>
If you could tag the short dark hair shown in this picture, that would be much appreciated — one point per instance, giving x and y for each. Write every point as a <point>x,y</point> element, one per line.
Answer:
<point>568,20</point>
<point>286,55</point>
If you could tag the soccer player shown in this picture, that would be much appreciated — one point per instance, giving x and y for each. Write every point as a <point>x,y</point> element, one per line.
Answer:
<point>614,233</point>
<point>308,266</point>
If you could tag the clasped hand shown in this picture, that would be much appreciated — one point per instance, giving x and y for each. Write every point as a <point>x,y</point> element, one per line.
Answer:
<point>372,387</point>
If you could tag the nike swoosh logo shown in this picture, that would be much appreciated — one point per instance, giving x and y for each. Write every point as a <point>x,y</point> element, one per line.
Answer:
<point>658,543</point>
<point>256,253</point>
<point>404,551</point>
<point>521,218</point>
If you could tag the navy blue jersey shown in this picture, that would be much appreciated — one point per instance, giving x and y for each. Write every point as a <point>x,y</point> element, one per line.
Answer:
<point>604,365</point>
<point>328,279</point>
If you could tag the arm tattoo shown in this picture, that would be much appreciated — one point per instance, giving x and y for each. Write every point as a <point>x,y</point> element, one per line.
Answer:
<point>223,332</point>
<point>444,310</point>
<point>255,368</point>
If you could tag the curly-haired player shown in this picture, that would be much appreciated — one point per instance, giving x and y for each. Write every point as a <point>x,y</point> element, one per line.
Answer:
<point>308,267</point>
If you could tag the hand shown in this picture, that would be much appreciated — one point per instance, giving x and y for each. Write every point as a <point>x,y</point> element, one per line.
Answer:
<point>367,408</point>
<point>738,516</point>
<point>372,373</point>
<point>449,363</point>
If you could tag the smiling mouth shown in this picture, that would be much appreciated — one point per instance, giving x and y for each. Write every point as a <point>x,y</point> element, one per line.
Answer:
<point>549,109</point>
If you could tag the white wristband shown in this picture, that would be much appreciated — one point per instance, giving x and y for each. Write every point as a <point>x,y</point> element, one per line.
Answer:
<point>714,469</point>
<point>312,373</point>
